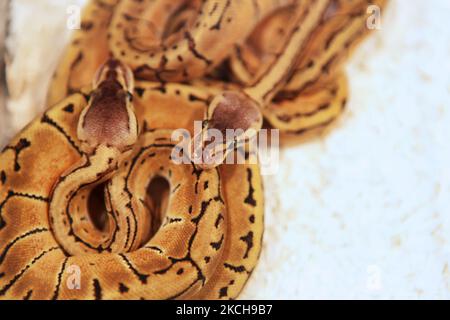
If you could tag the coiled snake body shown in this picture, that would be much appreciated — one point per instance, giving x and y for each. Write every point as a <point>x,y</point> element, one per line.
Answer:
<point>112,140</point>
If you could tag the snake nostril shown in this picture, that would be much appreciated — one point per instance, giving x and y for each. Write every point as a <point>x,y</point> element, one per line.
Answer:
<point>97,209</point>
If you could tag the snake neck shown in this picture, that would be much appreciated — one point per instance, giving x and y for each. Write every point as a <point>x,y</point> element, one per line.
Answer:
<point>107,129</point>
<point>72,219</point>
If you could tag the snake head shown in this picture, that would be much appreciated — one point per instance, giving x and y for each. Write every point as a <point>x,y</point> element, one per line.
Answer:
<point>113,69</point>
<point>233,118</point>
<point>109,117</point>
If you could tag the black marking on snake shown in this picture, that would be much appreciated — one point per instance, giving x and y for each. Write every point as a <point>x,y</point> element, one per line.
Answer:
<point>123,288</point>
<point>218,24</point>
<point>28,266</point>
<point>161,68</point>
<point>142,277</point>
<point>248,239</point>
<point>216,5</point>
<point>86,95</point>
<point>145,159</point>
<point>193,49</point>
<point>146,128</point>
<point>331,38</point>
<point>193,98</point>
<point>140,91</point>
<point>250,197</point>
<point>51,122</point>
<point>97,290</point>
<point>217,245</point>
<point>154,248</point>
<point>12,194</point>
<point>197,172</point>
<point>176,188</point>
<point>129,17</point>
<point>172,220</point>
<point>142,72</point>
<point>28,295</point>
<point>160,88</point>
<point>3,177</point>
<point>18,148</point>
<point>128,225</point>
<point>21,237</point>
<point>69,108</point>
<point>327,66</point>
<point>113,216</point>
<point>223,292</point>
<point>218,220</point>
<point>86,25</point>
<point>237,269</point>
<point>185,290</point>
<point>60,274</point>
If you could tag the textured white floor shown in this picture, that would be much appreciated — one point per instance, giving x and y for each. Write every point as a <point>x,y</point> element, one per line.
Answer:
<point>363,212</point>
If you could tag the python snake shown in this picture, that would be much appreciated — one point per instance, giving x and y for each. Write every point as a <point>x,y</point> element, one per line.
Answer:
<point>90,184</point>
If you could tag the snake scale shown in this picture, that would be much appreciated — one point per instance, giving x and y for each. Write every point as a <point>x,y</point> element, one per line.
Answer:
<point>90,185</point>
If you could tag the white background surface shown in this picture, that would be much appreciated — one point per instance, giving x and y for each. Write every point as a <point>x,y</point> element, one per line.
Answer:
<point>364,212</point>
<point>360,213</point>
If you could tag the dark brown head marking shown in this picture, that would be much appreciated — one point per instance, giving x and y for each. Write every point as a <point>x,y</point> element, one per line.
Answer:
<point>234,110</point>
<point>230,110</point>
<point>109,118</point>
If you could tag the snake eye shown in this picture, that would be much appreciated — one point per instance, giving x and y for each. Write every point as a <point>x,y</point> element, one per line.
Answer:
<point>130,96</point>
